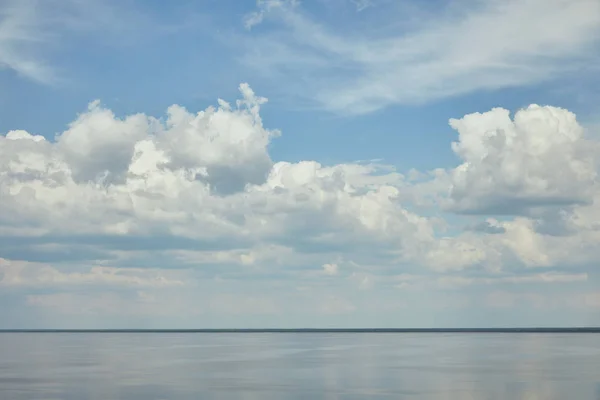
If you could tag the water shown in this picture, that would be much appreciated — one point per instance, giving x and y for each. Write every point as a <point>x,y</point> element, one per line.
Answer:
<point>104,366</point>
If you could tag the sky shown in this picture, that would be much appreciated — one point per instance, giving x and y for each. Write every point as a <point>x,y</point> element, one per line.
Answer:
<point>299,164</point>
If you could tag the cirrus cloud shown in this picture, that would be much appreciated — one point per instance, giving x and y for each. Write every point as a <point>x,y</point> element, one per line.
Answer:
<point>463,48</point>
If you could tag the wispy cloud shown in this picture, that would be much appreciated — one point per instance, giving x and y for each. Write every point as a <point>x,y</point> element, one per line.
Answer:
<point>362,4</point>
<point>31,30</point>
<point>20,36</point>
<point>471,46</point>
<point>549,277</point>
<point>113,304</point>
<point>22,273</point>
<point>265,7</point>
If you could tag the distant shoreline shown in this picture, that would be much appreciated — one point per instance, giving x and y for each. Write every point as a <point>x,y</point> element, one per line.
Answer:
<point>316,330</point>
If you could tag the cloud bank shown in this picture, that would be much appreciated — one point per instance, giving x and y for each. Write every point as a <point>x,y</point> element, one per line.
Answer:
<point>193,200</point>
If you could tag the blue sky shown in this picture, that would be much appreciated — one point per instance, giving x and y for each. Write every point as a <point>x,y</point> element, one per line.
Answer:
<point>387,163</point>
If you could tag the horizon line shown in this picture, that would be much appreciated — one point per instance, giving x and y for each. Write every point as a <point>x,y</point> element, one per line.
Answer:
<point>318,330</point>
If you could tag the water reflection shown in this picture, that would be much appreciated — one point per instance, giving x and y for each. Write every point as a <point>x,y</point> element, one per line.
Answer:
<point>299,366</point>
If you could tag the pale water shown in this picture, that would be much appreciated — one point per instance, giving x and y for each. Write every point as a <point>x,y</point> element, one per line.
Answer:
<point>146,366</point>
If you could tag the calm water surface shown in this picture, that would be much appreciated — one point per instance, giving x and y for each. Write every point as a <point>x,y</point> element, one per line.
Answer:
<point>104,366</point>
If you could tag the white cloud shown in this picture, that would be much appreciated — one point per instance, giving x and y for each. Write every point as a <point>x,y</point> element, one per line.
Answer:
<point>519,244</point>
<point>539,167</point>
<point>199,190</point>
<point>468,47</point>
<point>330,269</point>
<point>539,159</point>
<point>264,8</point>
<point>19,35</point>
<point>31,32</point>
<point>196,199</point>
<point>98,144</point>
<point>204,180</point>
<point>537,172</point>
<point>22,273</point>
<point>457,253</point>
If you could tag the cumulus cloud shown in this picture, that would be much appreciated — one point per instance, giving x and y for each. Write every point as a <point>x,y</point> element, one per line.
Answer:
<point>100,146</point>
<point>539,159</point>
<point>199,190</point>
<point>197,182</point>
<point>115,169</point>
<point>537,173</point>
<point>130,208</point>
<point>517,243</point>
